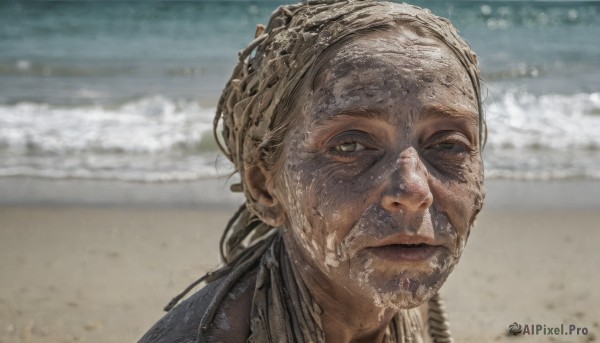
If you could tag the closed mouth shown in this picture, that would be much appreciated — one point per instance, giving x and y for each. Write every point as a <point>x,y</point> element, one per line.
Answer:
<point>405,252</point>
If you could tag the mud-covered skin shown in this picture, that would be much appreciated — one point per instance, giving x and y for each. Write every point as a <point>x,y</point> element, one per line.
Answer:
<point>410,103</point>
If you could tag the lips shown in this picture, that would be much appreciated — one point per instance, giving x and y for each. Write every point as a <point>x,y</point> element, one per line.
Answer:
<point>405,252</point>
<point>405,248</point>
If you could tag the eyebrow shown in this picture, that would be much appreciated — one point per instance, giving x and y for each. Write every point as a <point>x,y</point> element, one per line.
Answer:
<point>447,112</point>
<point>358,112</point>
<point>431,112</point>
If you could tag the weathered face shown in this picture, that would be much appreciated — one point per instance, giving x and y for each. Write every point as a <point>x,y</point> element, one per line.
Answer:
<point>382,178</point>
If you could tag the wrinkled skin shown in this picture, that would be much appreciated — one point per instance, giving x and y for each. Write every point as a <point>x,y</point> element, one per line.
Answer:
<point>387,152</point>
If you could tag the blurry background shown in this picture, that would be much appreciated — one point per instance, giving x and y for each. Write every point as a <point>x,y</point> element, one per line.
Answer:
<point>127,90</point>
<point>113,190</point>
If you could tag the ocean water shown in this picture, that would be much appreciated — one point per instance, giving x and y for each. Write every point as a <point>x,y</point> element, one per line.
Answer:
<point>126,90</point>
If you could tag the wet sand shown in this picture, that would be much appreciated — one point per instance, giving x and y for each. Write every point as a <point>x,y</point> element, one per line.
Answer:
<point>101,273</point>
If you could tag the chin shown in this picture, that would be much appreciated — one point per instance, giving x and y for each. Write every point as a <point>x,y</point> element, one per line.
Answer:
<point>404,290</point>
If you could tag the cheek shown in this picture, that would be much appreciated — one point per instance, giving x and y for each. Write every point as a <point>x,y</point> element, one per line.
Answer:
<point>323,204</point>
<point>306,200</point>
<point>299,222</point>
<point>461,201</point>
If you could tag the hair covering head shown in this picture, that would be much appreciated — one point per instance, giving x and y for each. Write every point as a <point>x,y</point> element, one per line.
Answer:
<point>277,59</point>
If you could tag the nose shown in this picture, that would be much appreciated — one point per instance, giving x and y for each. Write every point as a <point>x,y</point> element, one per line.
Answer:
<point>407,188</point>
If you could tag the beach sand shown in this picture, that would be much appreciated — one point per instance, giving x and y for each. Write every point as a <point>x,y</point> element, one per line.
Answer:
<point>99,273</point>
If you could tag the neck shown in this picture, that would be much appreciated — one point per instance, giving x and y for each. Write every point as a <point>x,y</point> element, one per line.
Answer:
<point>345,317</point>
<point>343,323</point>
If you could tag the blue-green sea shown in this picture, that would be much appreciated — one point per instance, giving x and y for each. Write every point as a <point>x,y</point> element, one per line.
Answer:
<point>126,90</point>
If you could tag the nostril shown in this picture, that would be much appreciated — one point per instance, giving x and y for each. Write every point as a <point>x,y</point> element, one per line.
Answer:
<point>408,200</point>
<point>426,203</point>
<point>396,205</point>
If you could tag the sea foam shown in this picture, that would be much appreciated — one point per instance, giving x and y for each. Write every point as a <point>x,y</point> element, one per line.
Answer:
<point>161,139</point>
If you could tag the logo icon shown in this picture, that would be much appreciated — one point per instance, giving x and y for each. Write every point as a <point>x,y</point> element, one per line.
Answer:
<point>515,328</point>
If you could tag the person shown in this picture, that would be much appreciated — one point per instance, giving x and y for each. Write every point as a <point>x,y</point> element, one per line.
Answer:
<point>356,127</point>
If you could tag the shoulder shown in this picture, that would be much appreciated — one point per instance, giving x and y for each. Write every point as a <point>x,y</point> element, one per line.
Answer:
<point>231,322</point>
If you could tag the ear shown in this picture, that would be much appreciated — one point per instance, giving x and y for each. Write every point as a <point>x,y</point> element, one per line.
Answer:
<point>260,184</point>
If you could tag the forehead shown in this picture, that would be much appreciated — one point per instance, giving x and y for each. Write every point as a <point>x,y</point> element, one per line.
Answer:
<point>395,65</point>
<point>400,50</point>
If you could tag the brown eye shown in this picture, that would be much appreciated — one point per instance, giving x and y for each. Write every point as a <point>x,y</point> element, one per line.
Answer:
<point>450,144</point>
<point>446,145</point>
<point>350,147</point>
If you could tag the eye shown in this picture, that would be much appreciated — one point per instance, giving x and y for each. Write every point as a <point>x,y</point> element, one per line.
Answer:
<point>349,147</point>
<point>449,152</point>
<point>353,145</point>
<point>449,146</point>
